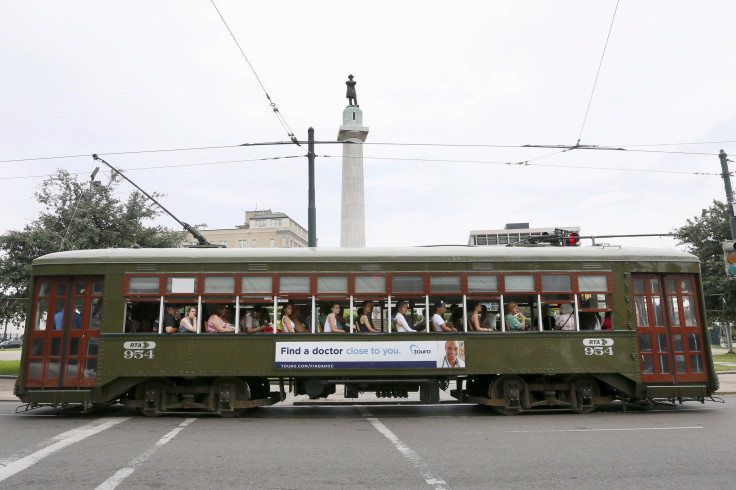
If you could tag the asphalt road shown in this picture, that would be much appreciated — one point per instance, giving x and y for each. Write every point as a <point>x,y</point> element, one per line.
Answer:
<point>444,446</point>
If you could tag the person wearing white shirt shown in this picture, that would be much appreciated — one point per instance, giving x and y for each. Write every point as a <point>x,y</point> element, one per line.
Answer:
<point>401,324</point>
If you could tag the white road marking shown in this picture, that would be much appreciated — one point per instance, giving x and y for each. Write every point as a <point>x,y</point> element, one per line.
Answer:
<point>416,460</point>
<point>124,473</point>
<point>605,430</point>
<point>10,467</point>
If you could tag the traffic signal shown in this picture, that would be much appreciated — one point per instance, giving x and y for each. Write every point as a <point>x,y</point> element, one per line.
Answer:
<point>567,238</point>
<point>729,257</point>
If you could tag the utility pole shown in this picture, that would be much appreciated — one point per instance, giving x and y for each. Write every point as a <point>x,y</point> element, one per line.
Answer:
<point>732,221</point>
<point>729,192</point>
<point>312,209</point>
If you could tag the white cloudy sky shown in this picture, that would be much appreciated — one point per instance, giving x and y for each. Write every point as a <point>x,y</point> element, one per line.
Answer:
<point>103,77</point>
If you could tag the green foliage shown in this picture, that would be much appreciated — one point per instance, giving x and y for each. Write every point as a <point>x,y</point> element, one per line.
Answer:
<point>76,215</point>
<point>703,236</point>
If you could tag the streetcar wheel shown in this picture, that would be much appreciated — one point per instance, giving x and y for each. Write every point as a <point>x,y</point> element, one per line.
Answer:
<point>225,391</point>
<point>586,388</point>
<point>155,397</point>
<point>511,389</point>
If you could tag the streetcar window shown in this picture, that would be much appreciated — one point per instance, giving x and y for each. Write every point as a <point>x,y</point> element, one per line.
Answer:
<point>516,283</point>
<point>332,284</point>
<point>688,306</point>
<point>370,284</point>
<point>674,311</point>
<point>595,283</point>
<point>257,284</point>
<point>42,311</point>
<point>647,364</point>
<point>294,284</point>
<point>181,285</point>
<point>482,283</point>
<point>97,288</point>
<point>71,368</point>
<point>594,301</point>
<point>219,284</point>
<point>444,284</point>
<point>143,315</point>
<point>56,346</point>
<point>642,314</point>
<point>95,314</point>
<point>645,342</point>
<point>44,288</point>
<point>37,346</point>
<point>638,286</point>
<point>34,368</point>
<point>693,344</point>
<point>408,284</point>
<point>143,285</point>
<point>556,283</point>
<point>696,363</point>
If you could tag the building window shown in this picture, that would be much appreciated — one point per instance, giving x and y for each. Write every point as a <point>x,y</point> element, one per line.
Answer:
<point>272,242</point>
<point>223,242</point>
<point>254,243</point>
<point>276,222</point>
<point>243,243</point>
<point>260,223</point>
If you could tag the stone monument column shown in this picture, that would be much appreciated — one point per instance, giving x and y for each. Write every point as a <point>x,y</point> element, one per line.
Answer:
<point>352,133</point>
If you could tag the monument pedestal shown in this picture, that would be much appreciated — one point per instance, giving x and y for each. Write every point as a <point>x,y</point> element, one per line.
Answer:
<point>352,133</point>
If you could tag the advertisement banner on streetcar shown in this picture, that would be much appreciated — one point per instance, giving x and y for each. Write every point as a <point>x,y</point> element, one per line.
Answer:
<point>362,355</point>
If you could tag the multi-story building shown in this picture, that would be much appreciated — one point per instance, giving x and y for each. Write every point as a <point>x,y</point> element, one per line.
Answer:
<point>262,229</point>
<point>512,233</point>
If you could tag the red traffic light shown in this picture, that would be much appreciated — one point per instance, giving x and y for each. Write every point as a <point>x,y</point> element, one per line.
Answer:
<point>573,239</point>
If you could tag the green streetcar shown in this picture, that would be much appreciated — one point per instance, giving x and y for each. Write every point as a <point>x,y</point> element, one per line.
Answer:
<point>95,332</point>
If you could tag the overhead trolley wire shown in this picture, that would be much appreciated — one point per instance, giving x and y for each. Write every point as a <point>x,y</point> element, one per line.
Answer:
<point>600,64</point>
<point>153,167</point>
<point>622,148</point>
<point>275,109</point>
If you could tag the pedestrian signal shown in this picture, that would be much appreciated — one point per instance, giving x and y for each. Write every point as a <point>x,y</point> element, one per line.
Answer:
<point>729,257</point>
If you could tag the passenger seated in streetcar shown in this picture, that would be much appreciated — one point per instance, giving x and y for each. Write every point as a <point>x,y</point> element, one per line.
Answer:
<point>170,323</point>
<point>331,324</point>
<point>474,324</point>
<point>296,317</point>
<point>566,319</point>
<point>607,322</point>
<point>514,319</point>
<point>324,310</point>
<point>250,322</point>
<point>487,320</point>
<point>456,318</point>
<point>287,326</point>
<point>438,321</point>
<point>365,320</point>
<point>217,323</point>
<point>451,360</point>
<point>187,324</point>
<point>548,319</point>
<point>401,324</point>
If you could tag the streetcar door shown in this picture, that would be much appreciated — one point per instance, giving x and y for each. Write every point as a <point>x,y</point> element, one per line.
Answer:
<point>668,327</point>
<point>65,332</point>
<point>83,332</point>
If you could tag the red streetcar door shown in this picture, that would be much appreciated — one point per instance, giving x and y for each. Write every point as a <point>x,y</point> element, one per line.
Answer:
<point>83,332</point>
<point>668,327</point>
<point>65,332</point>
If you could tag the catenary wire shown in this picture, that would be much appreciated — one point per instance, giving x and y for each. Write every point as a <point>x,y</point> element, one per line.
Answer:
<point>153,167</point>
<point>439,145</point>
<point>275,109</point>
<point>597,73</point>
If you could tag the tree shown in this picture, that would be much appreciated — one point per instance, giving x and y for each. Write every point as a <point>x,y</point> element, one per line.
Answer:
<point>703,236</point>
<point>76,215</point>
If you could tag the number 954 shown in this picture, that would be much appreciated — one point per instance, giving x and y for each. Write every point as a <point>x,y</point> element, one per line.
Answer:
<point>598,351</point>
<point>138,354</point>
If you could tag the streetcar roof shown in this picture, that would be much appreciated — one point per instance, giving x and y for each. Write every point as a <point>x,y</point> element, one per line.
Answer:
<point>453,253</point>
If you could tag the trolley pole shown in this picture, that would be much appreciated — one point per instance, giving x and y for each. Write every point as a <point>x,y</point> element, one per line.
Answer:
<point>312,209</point>
<point>729,192</point>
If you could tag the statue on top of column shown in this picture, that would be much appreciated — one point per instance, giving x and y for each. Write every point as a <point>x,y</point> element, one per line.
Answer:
<point>351,95</point>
